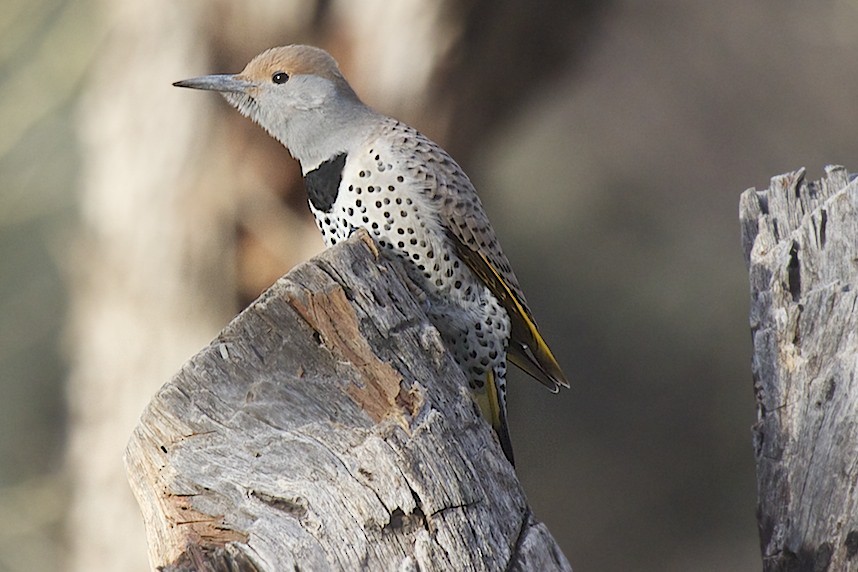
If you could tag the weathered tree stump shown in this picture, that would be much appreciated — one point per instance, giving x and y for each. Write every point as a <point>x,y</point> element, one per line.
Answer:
<point>801,245</point>
<point>327,428</point>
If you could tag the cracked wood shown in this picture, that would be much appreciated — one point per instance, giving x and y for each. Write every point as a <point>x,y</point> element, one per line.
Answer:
<point>326,428</point>
<point>800,240</point>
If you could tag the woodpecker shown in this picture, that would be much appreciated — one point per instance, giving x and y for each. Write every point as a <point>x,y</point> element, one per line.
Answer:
<point>363,169</point>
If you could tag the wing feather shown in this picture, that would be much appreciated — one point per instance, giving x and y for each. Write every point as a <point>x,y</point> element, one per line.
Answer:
<point>445,184</point>
<point>527,348</point>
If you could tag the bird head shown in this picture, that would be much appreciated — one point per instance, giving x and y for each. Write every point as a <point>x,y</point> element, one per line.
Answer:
<point>296,93</point>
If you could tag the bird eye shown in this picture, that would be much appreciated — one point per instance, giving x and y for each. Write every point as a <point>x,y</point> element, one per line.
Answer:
<point>280,77</point>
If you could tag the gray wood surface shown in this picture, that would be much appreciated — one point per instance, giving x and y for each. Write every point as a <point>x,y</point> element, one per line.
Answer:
<point>801,244</point>
<point>327,428</point>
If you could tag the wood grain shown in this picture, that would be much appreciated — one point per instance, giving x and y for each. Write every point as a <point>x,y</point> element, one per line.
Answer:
<point>801,245</point>
<point>327,428</point>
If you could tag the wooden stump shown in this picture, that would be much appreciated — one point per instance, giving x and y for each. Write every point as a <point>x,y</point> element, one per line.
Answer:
<point>327,428</point>
<point>801,245</point>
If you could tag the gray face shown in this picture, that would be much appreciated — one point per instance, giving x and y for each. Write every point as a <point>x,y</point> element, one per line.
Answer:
<point>268,102</point>
<point>306,112</point>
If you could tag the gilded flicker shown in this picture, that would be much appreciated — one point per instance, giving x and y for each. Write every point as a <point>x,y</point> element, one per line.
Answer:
<point>365,170</point>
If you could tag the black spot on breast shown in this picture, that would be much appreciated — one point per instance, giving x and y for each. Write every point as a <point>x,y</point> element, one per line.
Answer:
<point>323,183</point>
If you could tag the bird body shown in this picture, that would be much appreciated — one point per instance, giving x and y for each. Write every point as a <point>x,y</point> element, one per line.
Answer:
<point>365,170</point>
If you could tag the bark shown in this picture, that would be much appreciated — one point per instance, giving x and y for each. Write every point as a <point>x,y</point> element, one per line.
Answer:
<point>801,243</point>
<point>326,427</point>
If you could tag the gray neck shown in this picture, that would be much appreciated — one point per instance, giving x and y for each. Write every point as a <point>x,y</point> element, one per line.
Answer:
<point>316,135</point>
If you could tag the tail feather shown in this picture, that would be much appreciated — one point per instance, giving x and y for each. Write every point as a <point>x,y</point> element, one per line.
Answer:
<point>494,410</point>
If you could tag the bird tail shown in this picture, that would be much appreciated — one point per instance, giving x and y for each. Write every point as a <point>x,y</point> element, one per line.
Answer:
<point>494,410</point>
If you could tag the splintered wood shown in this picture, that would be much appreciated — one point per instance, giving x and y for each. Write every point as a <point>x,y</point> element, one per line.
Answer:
<point>801,244</point>
<point>326,428</point>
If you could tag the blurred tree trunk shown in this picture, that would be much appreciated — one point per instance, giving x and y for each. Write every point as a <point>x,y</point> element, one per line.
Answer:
<point>151,279</point>
<point>800,243</point>
<point>155,274</point>
<point>189,211</point>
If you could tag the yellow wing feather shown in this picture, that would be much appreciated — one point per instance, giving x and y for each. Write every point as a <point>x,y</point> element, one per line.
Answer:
<point>527,349</point>
<point>490,408</point>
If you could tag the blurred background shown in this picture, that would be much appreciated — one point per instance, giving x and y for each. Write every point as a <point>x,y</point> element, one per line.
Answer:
<point>609,140</point>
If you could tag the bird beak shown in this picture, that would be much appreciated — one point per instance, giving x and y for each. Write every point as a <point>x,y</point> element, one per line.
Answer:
<point>223,83</point>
